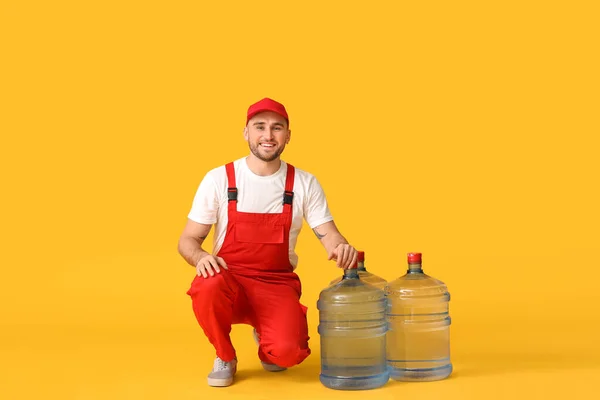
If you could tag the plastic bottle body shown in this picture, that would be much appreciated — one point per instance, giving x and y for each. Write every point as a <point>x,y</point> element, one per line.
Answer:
<point>352,329</point>
<point>418,337</point>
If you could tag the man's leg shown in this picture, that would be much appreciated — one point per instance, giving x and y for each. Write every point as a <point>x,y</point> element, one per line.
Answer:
<point>213,301</point>
<point>280,321</point>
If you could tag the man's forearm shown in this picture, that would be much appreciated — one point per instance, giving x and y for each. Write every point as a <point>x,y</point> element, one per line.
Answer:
<point>330,240</point>
<point>191,250</point>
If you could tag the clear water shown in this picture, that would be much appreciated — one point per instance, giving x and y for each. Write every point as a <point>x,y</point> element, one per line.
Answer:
<point>418,337</point>
<point>352,329</point>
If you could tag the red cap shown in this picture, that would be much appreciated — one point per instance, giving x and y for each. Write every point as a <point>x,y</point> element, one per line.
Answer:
<point>361,256</point>
<point>414,258</point>
<point>266,104</point>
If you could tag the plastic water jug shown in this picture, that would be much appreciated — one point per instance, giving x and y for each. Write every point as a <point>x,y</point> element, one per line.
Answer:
<point>365,275</point>
<point>418,337</point>
<point>352,328</point>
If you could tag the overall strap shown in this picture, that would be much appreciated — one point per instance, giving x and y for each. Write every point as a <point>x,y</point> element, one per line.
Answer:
<point>288,195</point>
<point>231,188</point>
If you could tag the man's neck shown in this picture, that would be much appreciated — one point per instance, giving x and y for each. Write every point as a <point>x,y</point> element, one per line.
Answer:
<point>263,168</point>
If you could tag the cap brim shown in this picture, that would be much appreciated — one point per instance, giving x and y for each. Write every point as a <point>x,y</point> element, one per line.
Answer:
<point>254,113</point>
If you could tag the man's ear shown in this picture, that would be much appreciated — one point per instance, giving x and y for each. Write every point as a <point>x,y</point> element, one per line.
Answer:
<point>246,133</point>
<point>289,136</point>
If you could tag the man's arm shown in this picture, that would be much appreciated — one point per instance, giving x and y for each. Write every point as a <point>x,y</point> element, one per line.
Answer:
<point>336,245</point>
<point>190,248</point>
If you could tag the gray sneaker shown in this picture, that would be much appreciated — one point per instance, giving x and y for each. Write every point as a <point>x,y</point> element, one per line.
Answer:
<point>222,372</point>
<point>267,366</point>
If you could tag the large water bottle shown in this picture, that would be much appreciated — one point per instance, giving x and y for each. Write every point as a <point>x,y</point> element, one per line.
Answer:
<point>352,329</point>
<point>365,275</point>
<point>418,337</point>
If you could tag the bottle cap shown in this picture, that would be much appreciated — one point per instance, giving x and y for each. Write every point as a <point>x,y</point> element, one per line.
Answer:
<point>361,256</point>
<point>414,258</point>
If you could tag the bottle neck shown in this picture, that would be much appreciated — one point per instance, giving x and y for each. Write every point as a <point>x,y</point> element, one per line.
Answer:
<point>361,266</point>
<point>350,273</point>
<point>415,268</point>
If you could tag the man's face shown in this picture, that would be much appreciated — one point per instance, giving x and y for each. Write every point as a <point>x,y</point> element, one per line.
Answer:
<point>267,134</point>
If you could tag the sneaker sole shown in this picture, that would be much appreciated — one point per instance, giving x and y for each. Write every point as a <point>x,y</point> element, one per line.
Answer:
<point>272,367</point>
<point>220,382</point>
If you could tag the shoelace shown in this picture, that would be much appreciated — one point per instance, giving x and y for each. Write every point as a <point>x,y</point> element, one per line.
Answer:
<point>220,365</point>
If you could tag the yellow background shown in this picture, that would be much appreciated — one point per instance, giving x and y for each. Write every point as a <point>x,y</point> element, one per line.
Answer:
<point>467,131</point>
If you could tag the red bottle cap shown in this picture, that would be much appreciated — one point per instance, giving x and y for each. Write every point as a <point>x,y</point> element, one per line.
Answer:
<point>361,256</point>
<point>414,258</point>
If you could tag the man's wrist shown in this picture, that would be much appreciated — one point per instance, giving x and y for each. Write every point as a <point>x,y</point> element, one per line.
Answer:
<point>199,255</point>
<point>339,243</point>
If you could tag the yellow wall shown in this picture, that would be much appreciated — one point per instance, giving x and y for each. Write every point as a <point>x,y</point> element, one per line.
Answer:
<point>464,131</point>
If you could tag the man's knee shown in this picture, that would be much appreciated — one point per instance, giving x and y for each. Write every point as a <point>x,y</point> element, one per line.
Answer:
<point>286,352</point>
<point>207,290</point>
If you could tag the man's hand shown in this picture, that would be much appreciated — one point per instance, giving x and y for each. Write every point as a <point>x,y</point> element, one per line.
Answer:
<point>209,264</point>
<point>345,255</point>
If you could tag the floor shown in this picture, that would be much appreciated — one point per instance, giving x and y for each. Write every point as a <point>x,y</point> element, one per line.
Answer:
<point>145,362</point>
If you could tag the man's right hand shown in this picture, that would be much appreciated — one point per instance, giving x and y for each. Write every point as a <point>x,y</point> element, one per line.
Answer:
<point>209,264</point>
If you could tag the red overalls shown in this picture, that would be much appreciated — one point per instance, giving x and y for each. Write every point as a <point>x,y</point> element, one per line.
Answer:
<point>259,288</point>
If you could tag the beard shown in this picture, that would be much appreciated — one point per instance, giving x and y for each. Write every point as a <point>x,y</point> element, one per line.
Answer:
<point>255,149</point>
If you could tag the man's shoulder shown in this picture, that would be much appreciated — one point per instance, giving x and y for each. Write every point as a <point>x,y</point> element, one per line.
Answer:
<point>307,179</point>
<point>301,171</point>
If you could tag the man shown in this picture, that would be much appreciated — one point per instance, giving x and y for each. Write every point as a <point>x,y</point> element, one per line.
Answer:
<point>257,204</point>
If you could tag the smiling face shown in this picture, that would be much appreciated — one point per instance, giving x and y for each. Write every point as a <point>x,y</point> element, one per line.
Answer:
<point>267,134</point>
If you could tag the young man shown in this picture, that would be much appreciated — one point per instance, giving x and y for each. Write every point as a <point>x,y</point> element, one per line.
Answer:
<point>257,204</point>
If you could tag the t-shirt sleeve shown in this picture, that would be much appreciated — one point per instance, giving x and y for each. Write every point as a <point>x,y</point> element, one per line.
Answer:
<point>316,209</point>
<point>205,206</point>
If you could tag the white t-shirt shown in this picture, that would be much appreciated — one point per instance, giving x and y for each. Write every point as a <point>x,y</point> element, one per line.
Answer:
<point>259,194</point>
